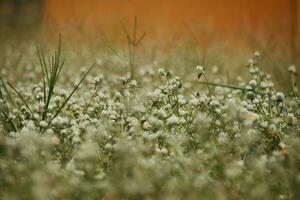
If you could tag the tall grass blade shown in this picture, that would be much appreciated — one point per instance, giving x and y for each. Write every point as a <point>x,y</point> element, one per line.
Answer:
<point>21,97</point>
<point>6,91</point>
<point>71,94</point>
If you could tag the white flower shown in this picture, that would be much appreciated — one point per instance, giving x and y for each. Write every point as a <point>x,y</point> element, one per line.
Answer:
<point>63,93</point>
<point>118,95</point>
<point>273,98</point>
<point>87,150</point>
<point>214,103</point>
<point>200,70</point>
<point>257,54</point>
<point>161,150</point>
<point>248,115</point>
<point>54,139</point>
<point>264,84</point>
<point>146,125</point>
<point>265,104</point>
<point>253,70</point>
<point>182,112</point>
<point>39,96</point>
<point>162,72</point>
<point>250,62</point>
<point>41,106</point>
<point>43,124</point>
<point>223,138</point>
<point>181,100</point>
<point>57,99</point>
<point>173,120</point>
<point>155,95</point>
<point>133,83</point>
<point>155,121</point>
<point>253,83</point>
<point>292,69</point>
<point>279,96</point>
<point>234,169</point>
<point>264,124</point>
<point>139,109</point>
<point>194,102</point>
<point>161,114</point>
<point>272,128</point>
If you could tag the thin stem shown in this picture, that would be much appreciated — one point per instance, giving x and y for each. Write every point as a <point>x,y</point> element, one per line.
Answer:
<point>21,97</point>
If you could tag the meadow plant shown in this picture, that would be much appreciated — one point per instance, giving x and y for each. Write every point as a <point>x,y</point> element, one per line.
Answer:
<point>164,137</point>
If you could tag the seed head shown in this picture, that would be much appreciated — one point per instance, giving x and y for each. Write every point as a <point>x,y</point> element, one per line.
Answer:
<point>200,70</point>
<point>279,96</point>
<point>292,69</point>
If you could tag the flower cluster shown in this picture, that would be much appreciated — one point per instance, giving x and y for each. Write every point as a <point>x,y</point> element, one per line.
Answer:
<point>158,137</point>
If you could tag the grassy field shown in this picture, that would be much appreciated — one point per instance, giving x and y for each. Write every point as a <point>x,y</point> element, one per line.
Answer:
<point>137,122</point>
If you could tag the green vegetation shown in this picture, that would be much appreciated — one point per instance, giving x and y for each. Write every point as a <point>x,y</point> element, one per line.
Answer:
<point>192,134</point>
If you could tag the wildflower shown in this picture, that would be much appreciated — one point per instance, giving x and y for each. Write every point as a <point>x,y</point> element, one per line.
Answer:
<point>257,54</point>
<point>248,115</point>
<point>223,138</point>
<point>39,96</point>
<point>194,102</point>
<point>256,101</point>
<point>272,129</point>
<point>253,83</point>
<point>292,69</point>
<point>234,169</point>
<point>265,104</point>
<point>63,93</point>
<point>155,122</point>
<point>54,139</point>
<point>291,118</point>
<point>146,125</point>
<point>87,150</point>
<point>200,70</point>
<point>173,120</point>
<point>250,62</point>
<point>132,83</point>
<point>264,124</point>
<point>273,97</point>
<point>264,84</point>
<point>162,72</point>
<point>43,124</point>
<point>41,106</point>
<point>174,84</point>
<point>214,103</point>
<point>270,84</point>
<point>139,109</point>
<point>163,150</point>
<point>57,100</point>
<point>97,80</point>
<point>181,100</point>
<point>161,114</point>
<point>279,96</point>
<point>118,95</point>
<point>253,70</point>
<point>182,112</point>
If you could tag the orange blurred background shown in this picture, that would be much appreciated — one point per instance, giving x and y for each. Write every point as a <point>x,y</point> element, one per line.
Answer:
<point>169,19</point>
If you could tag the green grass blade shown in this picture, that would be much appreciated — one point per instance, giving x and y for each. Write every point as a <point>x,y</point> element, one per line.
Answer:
<point>71,94</point>
<point>21,97</point>
<point>126,33</point>
<point>6,91</point>
<point>223,85</point>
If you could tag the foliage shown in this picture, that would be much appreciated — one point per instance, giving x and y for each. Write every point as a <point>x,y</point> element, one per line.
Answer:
<point>164,137</point>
